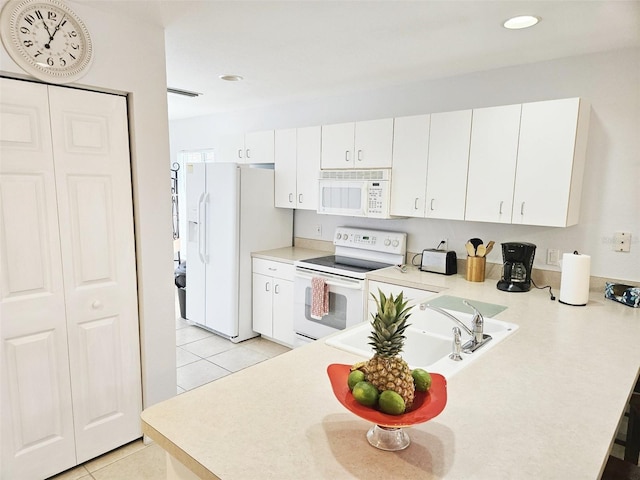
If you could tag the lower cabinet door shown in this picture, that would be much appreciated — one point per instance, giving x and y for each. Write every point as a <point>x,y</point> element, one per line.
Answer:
<point>262,293</point>
<point>283,311</point>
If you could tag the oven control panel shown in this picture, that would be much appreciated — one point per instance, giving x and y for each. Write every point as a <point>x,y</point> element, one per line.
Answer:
<point>374,240</point>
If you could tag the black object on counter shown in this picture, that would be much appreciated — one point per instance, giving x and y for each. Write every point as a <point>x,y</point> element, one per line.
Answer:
<point>517,264</point>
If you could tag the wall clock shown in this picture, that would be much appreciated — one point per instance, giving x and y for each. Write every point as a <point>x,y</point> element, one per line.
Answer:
<point>46,39</point>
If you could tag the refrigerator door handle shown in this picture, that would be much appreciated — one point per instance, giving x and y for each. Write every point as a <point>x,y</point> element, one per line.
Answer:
<point>204,240</point>
<point>201,226</point>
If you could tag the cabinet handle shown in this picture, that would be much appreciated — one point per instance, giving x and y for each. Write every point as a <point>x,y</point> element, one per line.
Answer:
<point>96,305</point>
<point>291,198</point>
<point>276,289</point>
<point>266,286</point>
<point>248,151</point>
<point>431,205</point>
<point>415,204</point>
<point>501,202</point>
<point>346,155</point>
<point>273,269</point>
<point>239,153</point>
<point>359,155</point>
<point>522,208</point>
<point>299,198</point>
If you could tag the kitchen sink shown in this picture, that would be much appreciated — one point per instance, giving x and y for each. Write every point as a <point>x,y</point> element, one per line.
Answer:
<point>429,340</point>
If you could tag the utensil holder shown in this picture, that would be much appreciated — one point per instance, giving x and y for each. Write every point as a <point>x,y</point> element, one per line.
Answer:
<point>476,268</point>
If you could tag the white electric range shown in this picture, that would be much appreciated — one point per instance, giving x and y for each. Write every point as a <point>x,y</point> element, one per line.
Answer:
<point>357,252</point>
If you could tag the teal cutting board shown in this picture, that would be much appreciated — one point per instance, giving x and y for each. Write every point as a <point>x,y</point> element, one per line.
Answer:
<point>455,303</point>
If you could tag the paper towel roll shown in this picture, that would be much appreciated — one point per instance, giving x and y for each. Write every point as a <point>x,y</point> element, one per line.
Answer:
<point>574,283</point>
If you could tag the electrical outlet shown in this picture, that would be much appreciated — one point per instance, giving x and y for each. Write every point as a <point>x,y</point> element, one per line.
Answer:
<point>318,230</point>
<point>622,241</point>
<point>553,256</point>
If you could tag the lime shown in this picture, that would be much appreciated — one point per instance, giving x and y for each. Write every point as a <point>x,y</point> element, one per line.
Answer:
<point>390,402</point>
<point>355,377</point>
<point>365,394</point>
<point>421,379</point>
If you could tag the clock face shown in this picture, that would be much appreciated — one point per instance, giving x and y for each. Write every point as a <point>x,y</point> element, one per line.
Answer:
<point>47,39</point>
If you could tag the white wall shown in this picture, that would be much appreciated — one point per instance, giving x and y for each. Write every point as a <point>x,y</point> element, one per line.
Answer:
<point>609,81</point>
<point>129,58</point>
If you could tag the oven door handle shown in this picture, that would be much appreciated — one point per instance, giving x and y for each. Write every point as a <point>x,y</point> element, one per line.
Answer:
<point>332,283</point>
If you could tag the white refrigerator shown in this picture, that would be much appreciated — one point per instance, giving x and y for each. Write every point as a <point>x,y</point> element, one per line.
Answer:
<point>230,213</point>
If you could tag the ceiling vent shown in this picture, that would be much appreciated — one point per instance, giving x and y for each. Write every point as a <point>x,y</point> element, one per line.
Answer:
<point>184,93</point>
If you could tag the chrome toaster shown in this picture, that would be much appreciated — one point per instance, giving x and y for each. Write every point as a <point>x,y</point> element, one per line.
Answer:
<point>439,261</point>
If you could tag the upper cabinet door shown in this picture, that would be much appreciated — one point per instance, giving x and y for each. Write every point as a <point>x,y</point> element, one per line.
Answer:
<point>374,143</point>
<point>551,156</point>
<point>337,146</point>
<point>230,148</point>
<point>448,163</point>
<point>409,170</point>
<point>285,168</point>
<point>259,147</point>
<point>492,163</point>
<point>308,167</point>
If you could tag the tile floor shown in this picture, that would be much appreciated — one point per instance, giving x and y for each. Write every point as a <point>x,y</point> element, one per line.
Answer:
<point>201,357</point>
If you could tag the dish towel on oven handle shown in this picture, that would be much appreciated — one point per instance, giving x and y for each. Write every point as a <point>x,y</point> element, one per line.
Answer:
<point>319,298</point>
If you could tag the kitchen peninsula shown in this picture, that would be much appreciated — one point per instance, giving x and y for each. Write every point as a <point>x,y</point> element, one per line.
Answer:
<point>543,404</point>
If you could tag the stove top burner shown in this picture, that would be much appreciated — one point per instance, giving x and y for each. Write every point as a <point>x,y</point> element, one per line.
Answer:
<point>343,264</point>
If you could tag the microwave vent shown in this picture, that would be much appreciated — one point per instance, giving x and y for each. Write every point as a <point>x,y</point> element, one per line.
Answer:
<point>354,174</point>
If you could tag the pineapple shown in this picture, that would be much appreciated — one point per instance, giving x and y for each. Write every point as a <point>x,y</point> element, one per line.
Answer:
<point>386,370</point>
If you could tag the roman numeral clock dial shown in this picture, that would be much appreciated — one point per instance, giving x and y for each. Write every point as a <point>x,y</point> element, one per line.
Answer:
<point>46,39</point>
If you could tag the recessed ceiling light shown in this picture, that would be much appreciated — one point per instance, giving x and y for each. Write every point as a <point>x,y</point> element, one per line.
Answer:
<point>231,78</point>
<point>522,21</point>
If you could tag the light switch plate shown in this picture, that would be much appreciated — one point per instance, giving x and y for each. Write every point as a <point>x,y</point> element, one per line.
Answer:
<point>622,241</point>
<point>553,256</point>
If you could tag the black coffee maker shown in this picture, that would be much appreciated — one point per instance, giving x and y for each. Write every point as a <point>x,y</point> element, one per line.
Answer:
<point>517,264</point>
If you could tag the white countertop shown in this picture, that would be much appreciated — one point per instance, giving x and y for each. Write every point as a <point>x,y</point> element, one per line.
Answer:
<point>543,404</point>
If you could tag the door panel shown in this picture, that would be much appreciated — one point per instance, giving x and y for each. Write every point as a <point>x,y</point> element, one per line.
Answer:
<point>91,151</point>
<point>37,420</point>
<point>98,341</point>
<point>33,373</point>
<point>90,216</point>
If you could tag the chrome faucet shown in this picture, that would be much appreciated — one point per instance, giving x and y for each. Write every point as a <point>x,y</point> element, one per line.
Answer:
<point>478,337</point>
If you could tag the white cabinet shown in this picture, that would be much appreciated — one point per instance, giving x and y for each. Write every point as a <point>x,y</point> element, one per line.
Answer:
<point>297,167</point>
<point>273,300</point>
<point>492,163</point>
<point>415,296</point>
<point>551,158</point>
<point>70,351</point>
<point>409,170</point>
<point>251,147</point>
<point>366,144</point>
<point>449,140</point>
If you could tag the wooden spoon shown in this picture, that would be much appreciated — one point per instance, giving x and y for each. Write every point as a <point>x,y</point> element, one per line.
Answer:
<point>471,251</point>
<point>481,250</point>
<point>489,247</point>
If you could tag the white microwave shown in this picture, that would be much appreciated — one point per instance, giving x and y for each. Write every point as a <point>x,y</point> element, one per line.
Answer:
<point>356,193</point>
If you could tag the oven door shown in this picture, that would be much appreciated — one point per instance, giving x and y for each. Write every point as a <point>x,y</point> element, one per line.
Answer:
<point>346,304</point>
<point>340,197</point>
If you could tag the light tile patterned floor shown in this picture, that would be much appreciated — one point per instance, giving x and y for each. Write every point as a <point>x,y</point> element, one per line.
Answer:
<point>201,357</point>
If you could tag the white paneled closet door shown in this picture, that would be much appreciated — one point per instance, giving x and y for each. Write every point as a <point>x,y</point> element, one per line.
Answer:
<point>91,152</point>
<point>71,381</point>
<point>37,422</point>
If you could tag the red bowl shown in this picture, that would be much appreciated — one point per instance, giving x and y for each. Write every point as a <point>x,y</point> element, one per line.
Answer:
<point>426,405</point>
